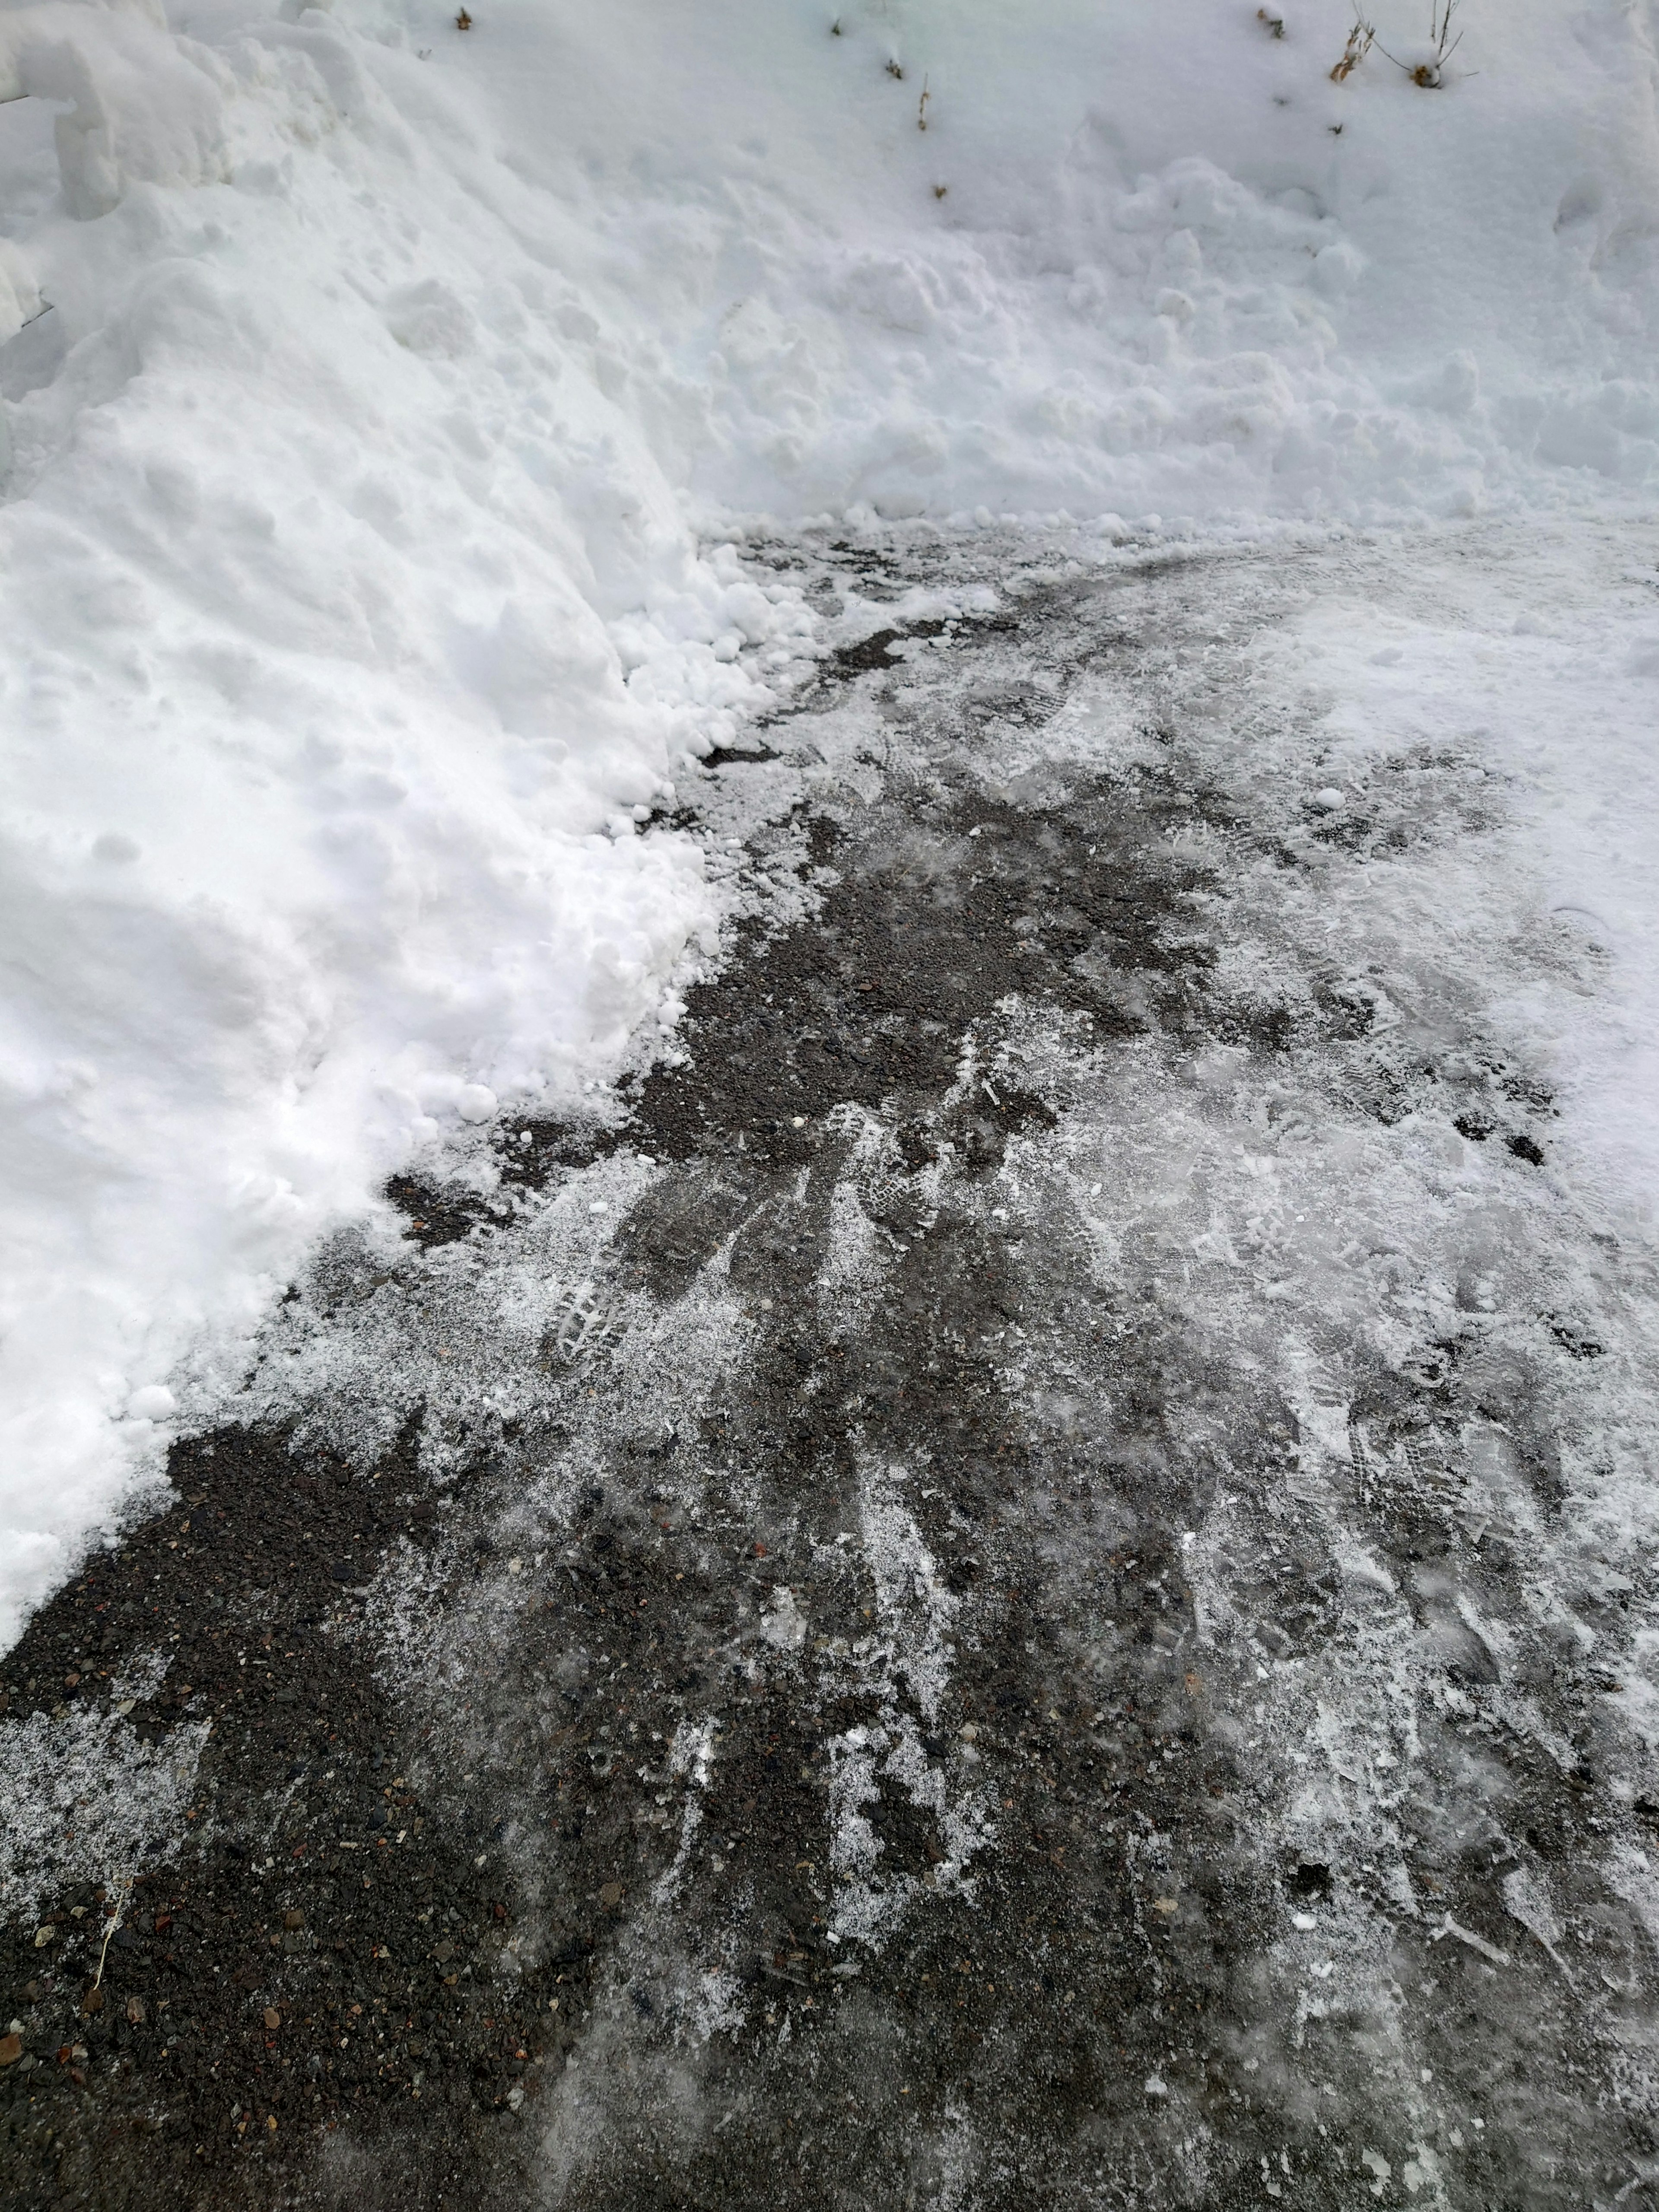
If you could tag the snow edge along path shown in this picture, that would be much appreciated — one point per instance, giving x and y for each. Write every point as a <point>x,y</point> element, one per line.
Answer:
<point>335,780</point>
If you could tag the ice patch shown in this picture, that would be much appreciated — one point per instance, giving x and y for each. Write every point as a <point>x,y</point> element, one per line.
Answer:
<point>87,1800</point>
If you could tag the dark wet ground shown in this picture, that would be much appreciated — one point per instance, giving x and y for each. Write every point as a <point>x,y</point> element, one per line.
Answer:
<point>873,1695</point>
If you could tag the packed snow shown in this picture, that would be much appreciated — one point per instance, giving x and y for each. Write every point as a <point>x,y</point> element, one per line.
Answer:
<point>387,407</point>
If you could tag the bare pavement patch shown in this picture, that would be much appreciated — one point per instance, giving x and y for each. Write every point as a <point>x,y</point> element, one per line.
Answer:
<point>1016,1579</point>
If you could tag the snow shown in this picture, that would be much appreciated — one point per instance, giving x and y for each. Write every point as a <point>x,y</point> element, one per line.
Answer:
<point>376,400</point>
<point>1544,652</point>
<point>1175,270</point>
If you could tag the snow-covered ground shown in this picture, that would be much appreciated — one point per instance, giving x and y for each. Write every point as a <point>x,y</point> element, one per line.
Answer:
<point>385,407</point>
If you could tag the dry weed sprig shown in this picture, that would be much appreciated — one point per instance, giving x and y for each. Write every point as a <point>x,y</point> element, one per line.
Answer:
<point>1359,45</point>
<point>1275,24</point>
<point>922,106</point>
<point>110,1927</point>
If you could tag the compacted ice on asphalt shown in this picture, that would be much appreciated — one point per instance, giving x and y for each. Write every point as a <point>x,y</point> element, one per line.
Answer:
<point>1010,1577</point>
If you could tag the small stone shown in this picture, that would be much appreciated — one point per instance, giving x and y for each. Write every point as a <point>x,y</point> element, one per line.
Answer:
<point>444,1950</point>
<point>43,1936</point>
<point>135,2011</point>
<point>294,1917</point>
<point>798,1121</point>
<point>273,2019</point>
<point>92,2001</point>
<point>11,2050</point>
<point>611,1896</point>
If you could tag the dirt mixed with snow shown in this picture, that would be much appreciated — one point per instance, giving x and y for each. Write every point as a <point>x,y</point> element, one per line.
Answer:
<point>1017,1579</point>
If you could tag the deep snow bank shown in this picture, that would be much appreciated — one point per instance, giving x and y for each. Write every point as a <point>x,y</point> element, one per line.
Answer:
<point>353,617</point>
<point>324,740</point>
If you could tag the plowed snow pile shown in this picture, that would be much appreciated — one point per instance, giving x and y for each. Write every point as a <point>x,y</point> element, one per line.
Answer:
<point>377,400</point>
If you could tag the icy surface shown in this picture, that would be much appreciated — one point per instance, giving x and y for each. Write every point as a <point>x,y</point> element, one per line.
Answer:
<point>1082,1512</point>
<point>88,1802</point>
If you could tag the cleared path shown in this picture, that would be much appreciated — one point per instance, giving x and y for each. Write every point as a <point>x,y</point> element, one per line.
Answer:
<point>1004,1586</point>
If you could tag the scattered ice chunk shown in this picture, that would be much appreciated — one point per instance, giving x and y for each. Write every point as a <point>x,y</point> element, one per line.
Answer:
<point>475,1102</point>
<point>1527,1898</point>
<point>784,1626</point>
<point>1421,2170</point>
<point>153,1402</point>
